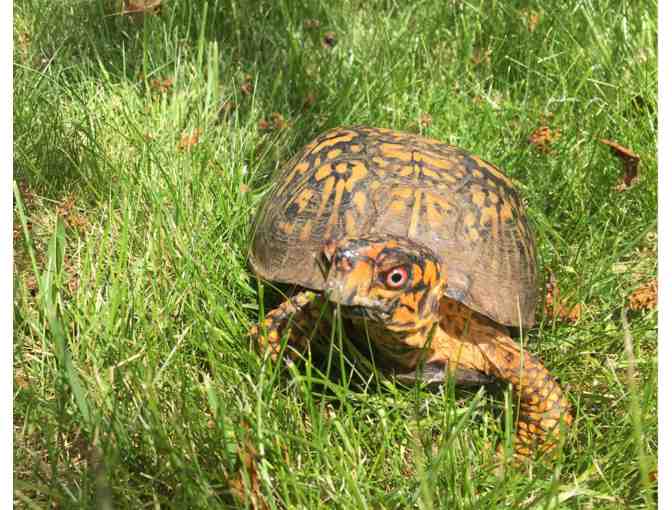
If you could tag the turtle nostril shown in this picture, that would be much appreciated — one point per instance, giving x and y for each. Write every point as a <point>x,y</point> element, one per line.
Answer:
<point>342,262</point>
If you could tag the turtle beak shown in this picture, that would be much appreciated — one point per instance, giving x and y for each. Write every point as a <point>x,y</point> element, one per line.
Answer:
<point>347,275</point>
<point>349,289</point>
<point>348,282</point>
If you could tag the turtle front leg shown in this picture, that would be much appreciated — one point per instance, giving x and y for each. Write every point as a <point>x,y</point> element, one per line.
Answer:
<point>543,406</point>
<point>472,342</point>
<point>296,317</point>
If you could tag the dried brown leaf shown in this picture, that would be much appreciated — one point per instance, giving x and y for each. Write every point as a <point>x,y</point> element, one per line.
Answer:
<point>78,221</point>
<point>645,297</point>
<point>66,206</point>
<point>71,215</point>
<point>27,196</point>
<point>630,163</point>
<point>329,40</point>
<point>555,306</point>
<point>21,380</point>
<point>278,120</point>
<point>188,140</point>
<point>247,87</point>
<point>531,19</point>
<point>24,44</point>
<point>136,10</point>
<point>543,137</point>
<point>481,56</point>
<point>73,282</point>
<point>244,485</point>
<point>161,86</point>
<point>225,109</point>
<point>309,101</point>
<point>32,285</point>
<point>425,120</point>
<point>310,24</point>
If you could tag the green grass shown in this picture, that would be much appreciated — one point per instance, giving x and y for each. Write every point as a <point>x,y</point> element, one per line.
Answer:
<point>134,381</point>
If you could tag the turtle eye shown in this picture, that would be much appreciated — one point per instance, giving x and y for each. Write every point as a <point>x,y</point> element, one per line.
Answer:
<point>396,278</point>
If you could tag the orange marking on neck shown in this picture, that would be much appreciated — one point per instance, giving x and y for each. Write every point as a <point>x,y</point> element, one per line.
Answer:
<point>403,315</point>
<point>430,273</point>
<point>417,275</point>
<point>373,251</point>
<point>359,276</point>
<point>286,228</point>
<point>410,299</point>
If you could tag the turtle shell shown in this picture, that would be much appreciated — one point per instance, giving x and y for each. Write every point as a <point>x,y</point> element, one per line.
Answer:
<point>357,181</point>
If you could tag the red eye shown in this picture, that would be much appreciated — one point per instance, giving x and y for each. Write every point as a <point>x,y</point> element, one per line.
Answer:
<point>396,278</point>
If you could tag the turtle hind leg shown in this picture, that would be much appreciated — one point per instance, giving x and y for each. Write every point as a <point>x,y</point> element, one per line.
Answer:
<point>295,317</point>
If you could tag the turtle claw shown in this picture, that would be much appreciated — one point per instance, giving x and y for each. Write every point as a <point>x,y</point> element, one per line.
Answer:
<point>290,319</point>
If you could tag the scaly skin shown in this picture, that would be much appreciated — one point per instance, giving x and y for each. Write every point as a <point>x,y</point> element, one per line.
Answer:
<point>295,317</point>
<point>468,341</point>
<point>414,324</point>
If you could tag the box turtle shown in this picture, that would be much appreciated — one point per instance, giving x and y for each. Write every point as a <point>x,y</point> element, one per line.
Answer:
<point>426,251</point>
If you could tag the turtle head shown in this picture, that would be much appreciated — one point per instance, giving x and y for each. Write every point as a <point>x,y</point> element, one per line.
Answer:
<point>389,280</point>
